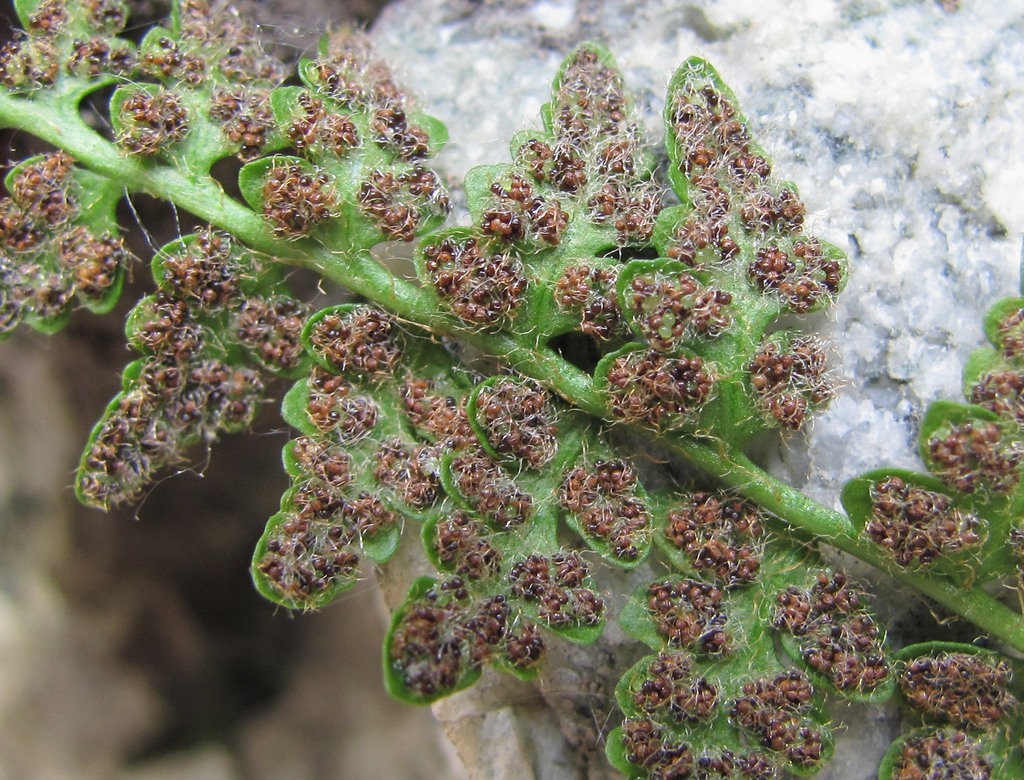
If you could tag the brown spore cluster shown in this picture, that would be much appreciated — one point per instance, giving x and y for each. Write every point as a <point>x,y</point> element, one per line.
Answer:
<point>964,689</point>
<point>1001,391</point>
<point>335,406</point>
<point>315,544</point>
<point>672,689</point>
<point>410,471</point>
<point>721,535</point>
<point>745,766</point>
<point>835,633</point>
<point>204,274</point>
<point>589,292</point>
<point>42,191</point>
<point>175,397</point>
<point>151,121</point>
<point>518,212</point>
<point>555,586</point>
<point>167,60</point>
<point>184,389</point>
<point>362,343</point>
<point>975,455</point>
<point>29,62</point>
<point>690,615</point>
<point>444,636</point>
<point>271,329</point>
<point>606,502</point>
<point>437,415</point>
<point>657,390</point>
<point>592,159</point>
<point>790,380</point>
<point>519,421</point>
<point>392,130</point>
<point>400,203</point>
<point>462,545</point>
<point>778,712</point>
<point>209,273</point>
<point>53,44</point>
<point>432,648</point>
<point>949,753</point>
<point>245,117</point>
<point>49,262</point>
<point>484,288</point>
<point>323,460</point>
<point>648,746</point>
<point>331,514</point>
<point>734,203</point>
<point>229,42</point>
<point>296,198</point>
<point>352,77</point>
<point>1010,334</point>
<point>670,309</point>
<point>100,55</point>
<point>585,170</point>
<point>93,263</point>
<point>489,490</point>
<point>218,55</point>
<point>916,525</point>
<point>316,131</point>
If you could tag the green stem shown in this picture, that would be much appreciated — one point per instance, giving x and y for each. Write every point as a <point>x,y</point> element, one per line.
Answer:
<point>49,118</point>
<point>808,517</point>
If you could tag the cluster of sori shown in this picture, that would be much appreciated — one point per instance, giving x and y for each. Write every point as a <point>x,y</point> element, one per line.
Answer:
<point>606,502</point>
<point>834,633</point>
<point>558,237</point>
<point>55,254</point>
<point>62,41</point>
<point>577,188</point>
<point>393,432</point>
<point>738,216</point>
<point>963,698</point>
<point>962,521</point>
<point>716,626</point>
<point>732,259</point>
<point>994,380</point>
<point>350,441</point>
<point>202,90</point>
<point>359,144</point>
<point>917,525</point>
<point>720,535</point>
<point>963,518</point>
<point>215,310</point>
<point>206,87</point>
<point>187,95</point>
<point>716,701</point>
<point>504,574</point>
<point>777,712</point>
<point>349,112</point>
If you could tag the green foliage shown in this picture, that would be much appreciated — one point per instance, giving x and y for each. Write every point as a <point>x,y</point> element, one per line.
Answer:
<point>593,309</point>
